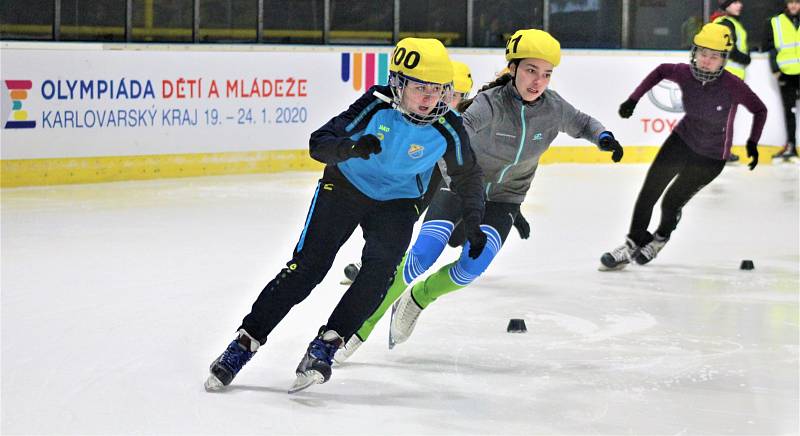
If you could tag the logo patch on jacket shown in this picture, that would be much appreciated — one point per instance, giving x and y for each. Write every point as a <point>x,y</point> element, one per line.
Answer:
<point>537,137</point>
<point>415,151</point>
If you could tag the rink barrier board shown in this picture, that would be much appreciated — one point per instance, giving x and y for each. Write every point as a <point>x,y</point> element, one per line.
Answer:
<point>60,171</point>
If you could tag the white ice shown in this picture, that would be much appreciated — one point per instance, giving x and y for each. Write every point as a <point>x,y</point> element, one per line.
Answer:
<point>116,297</point>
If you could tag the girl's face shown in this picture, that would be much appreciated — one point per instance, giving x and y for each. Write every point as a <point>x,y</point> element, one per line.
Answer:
<point>708,60</point>
<point>531,77</point>
<point>793,7</point>
<point>421,98</point>
<point>456,99</point>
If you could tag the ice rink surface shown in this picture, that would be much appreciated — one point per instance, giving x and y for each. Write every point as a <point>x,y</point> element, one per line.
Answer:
<point>116,297</point>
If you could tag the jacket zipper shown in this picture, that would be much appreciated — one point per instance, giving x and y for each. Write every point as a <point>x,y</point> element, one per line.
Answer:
<point>521,145</point>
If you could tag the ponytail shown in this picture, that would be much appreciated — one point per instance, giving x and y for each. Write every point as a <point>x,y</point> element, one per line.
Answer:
<point>499,81</point>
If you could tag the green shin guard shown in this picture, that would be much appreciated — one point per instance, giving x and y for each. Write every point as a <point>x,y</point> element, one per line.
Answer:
<point>398,286</point>
<point>436,285</point>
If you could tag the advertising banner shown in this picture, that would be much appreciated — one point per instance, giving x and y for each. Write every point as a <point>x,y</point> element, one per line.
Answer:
<point>88,100</point>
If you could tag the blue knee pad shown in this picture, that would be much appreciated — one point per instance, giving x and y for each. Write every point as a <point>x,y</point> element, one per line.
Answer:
<point>432,239</point>
<point>468,269</point>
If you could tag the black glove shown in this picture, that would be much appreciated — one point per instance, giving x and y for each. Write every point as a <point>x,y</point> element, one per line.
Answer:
<point>458,237</point>
<point>752,152</point>
<point>475,236</point>
<point>626,108</point>
<point>365,146</point>
<point>608,143</point>
<point>522,226</point>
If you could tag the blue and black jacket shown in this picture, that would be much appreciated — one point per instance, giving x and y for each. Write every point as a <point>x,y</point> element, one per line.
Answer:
<point>409,153</point>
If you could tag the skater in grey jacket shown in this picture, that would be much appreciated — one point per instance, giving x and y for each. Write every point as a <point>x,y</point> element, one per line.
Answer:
<point>509,133</point>
<point>510,122</point>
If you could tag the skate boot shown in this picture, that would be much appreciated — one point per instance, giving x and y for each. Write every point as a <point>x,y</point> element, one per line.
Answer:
<point>405,312</point>
<point>315,367</point>
<point>348,349</point>
<point>620,257</point>
<point>350,273</point>
<point>733,158</point>
<point>651,249</point>
<point>787,152</point>
<point>227,365</point>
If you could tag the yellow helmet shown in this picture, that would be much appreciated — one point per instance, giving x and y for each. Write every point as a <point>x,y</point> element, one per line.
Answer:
<point>462,78</point>
<point>533,43</point>
<point>423,59</point>
<point>714,36</point>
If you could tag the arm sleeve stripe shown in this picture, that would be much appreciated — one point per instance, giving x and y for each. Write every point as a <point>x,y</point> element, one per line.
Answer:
<point>456,139</point>
<point>362,114</point>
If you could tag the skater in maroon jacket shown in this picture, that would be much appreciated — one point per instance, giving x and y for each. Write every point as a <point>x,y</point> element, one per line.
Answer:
<point>696,151</point>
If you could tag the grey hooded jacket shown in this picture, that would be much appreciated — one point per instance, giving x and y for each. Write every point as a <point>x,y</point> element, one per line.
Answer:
<point>508,136</point>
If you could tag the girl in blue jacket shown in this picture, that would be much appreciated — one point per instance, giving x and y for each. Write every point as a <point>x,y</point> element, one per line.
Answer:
<point>379,156</point>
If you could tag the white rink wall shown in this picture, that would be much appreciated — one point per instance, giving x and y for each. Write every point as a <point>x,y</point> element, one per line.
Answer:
<point>107,100</point>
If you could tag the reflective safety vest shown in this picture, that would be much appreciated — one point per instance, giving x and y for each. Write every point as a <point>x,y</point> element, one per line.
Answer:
<point>736,68</point>
<point>787,42</point>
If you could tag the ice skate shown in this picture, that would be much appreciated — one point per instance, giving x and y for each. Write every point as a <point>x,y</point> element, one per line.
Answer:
<point>231,361</point>
<point>405,312</point>
<point>787,153</point>
<point>620,257</point>
<point>651,249</point>
<point>315,367</point>
<point>732,158</point>
<point>348,349</point>
<point>350,273</point>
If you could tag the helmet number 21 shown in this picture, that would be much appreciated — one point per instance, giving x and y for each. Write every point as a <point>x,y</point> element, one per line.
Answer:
<point>516,43</point>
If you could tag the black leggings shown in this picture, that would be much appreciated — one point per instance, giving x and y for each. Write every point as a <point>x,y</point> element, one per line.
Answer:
<point>336,210</point>
<point>693,172</point>
<point>789,87</point>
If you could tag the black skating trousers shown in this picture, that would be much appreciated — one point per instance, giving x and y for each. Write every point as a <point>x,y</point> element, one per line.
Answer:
<point>336,210</point>
<point>688,173</point>
<point>789,86</point>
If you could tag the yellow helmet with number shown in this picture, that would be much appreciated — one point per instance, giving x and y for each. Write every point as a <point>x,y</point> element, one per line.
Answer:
<point>462,78</point>
<point>423,59</point>
<point>533,43</point>
<point>714,36</point>
<point>422,66</point>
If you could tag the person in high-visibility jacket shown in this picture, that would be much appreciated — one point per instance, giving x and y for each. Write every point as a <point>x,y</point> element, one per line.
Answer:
<point>783,41</point>
<point>739,57</point>
<point>729,16</point>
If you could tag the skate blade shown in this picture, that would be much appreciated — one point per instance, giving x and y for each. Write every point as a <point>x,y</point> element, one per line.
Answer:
<point>213,384</point>
<point>392,342</point>
<point>305,380</point>
<point>616,268</point>
<point>345,281</point>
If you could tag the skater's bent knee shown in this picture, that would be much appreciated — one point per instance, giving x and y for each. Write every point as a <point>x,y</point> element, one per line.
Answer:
<point>472,268</point>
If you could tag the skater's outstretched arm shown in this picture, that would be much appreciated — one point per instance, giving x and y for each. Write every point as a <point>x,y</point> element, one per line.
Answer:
<point>334,143</point>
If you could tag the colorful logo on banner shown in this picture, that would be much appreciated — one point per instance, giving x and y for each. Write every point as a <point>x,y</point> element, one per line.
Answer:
<point>365,69</point>
<point>18,90</point>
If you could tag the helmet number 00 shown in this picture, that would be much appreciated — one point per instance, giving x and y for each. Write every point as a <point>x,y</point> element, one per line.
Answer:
<point>516,43</point>
<point>409,59</point>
